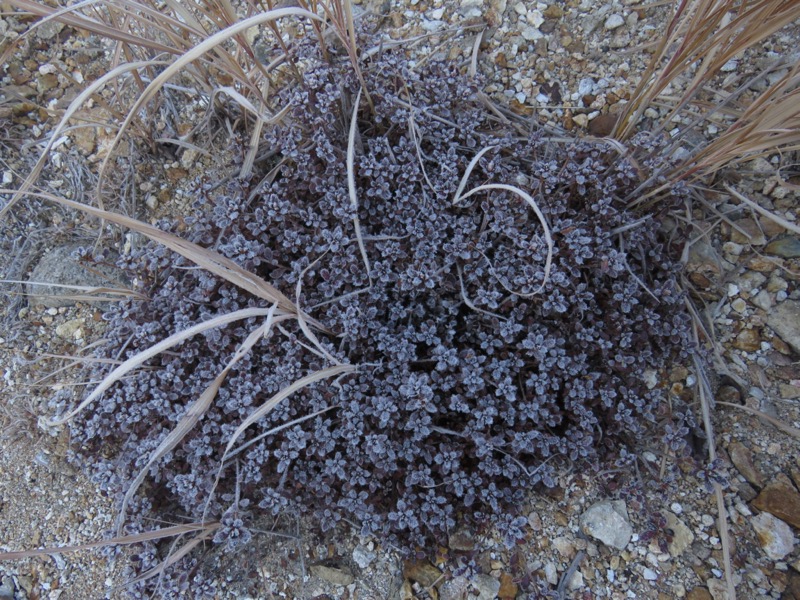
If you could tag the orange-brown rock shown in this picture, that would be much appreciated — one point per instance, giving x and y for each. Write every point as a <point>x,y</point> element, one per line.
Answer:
<point>780,499</point>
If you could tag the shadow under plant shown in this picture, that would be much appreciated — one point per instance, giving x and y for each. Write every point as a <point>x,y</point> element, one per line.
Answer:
<point>491,339</point>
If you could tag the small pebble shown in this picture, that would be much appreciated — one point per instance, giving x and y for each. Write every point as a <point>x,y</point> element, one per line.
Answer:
<point>363,557</point>
<point>614,22</point>
<point>730,66</point>
<point>739,305</point>
<point>787,247</point>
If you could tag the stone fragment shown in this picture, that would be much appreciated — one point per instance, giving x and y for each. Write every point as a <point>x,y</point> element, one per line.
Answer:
<point>456,588</point>
<point>535,18</point>
<point>700,280</point>
<point>682,536</point>
<point>46,82</point>
<point>786,247</point>
<point>748,231</point>
<point>332,575</point>
<point>763,264</point>
<point>729,393</point>
<point>748,340</point>
<point>698,593</point>
<point>764,300</point>
<point>781,500</point>
<point>581,120</point>
<point>777,283</point>
<point>718,589</point>
<point>551,573</point>
<point>775,536</point>
<point>470,10</point>
<point>784,320</point>
<point>462,540</point>
<point>608,523</point>
<point>743,461</point>
<point>792,591</point>
<point>363,557</point>
<point>48,29</point>
<point>554,11</point>
<point>565,546</point>
<point>532,34</point>
<point>70,330</point>
<point>761,166</point>
<point>59,268</point>
<point>486,586</point>
<point>614,22</point>
<point>789,392</point>
<point>732,248</point>
<point>7,589</point>
<point>406,591</point>
<point>575,581</point>
<point>508,589</point>
<point>703,258</point>
<point>85,138</point>
<point>770,228</point>
<point>423,573</point>
<point>603,125</point>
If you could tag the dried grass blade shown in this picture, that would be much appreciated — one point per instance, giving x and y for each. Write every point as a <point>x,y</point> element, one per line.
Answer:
<point>265,408</point>
<point>463,183</point>
<point>140,358</point>
<point>412,129</point>
<point>195,411</point>
<point>175,556</point>
<point>68,17</point>
<point>192,55</point>
<point>722,520</point>
<point>246,104</point>
<point>763,211</point>
<point>787,429</point>
<point>476,46</point>
<point>301,319</point>
<point>71,110</point>
<point>351,183</point>
<point>285,393</point>
<point>278,429</point>
<point>250,157</point>
<point>202,257</point>
<point>183,144</point>
<point>124,540</point>
<point>90,291</point>
<point>532,203</point>
<point>706,33</point>
<point>186,15</point>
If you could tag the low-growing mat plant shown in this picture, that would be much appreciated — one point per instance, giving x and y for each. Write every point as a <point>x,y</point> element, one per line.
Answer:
<point>418,308</point>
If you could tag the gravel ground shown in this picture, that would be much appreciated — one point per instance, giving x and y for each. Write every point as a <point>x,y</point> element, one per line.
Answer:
<point>565,63</point>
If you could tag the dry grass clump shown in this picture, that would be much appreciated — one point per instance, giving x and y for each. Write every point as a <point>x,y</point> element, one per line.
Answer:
<point>417,313</point>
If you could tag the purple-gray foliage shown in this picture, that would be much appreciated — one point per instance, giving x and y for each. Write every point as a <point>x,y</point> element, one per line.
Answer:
<point>471,391</point>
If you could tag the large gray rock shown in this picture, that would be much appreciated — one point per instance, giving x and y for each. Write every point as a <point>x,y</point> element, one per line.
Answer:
<point>59,268</point>
<point>607,522</point>
<point>784,320</point>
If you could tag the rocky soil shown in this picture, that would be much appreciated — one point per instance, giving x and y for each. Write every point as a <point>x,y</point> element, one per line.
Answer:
<point>565,63</point>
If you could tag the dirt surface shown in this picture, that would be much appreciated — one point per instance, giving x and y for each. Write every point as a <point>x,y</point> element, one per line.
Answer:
<point>562,63</point>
